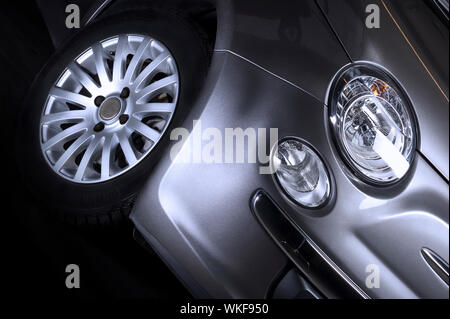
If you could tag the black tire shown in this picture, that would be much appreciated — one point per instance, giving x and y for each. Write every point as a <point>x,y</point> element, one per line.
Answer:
<point>108,201</point>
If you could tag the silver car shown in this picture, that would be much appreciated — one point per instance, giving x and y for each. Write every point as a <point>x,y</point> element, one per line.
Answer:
<point>263,149</point>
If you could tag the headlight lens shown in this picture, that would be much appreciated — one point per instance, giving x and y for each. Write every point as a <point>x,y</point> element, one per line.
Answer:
<point>301,173</point>
<point>373,124</point>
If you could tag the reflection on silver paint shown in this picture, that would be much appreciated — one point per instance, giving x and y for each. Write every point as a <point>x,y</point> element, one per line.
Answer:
<point>200,213</point>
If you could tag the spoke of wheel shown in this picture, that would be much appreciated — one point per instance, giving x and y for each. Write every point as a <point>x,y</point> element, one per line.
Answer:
<point>143,129</point>
<point>150,108</point>
<point>150,69</point>
<point>83,77</point>
<point>120,58</point>
<point>155,88</point>
<point>64,135</point>
<point>71,151</point>
<point>87,158</point>
<point>137,67</point>
<point>62,117</point>
<point>127,148</point>
<point>100,64</point>
<point>106,157</point>
<point>75,98</point>
<point>137,60</point>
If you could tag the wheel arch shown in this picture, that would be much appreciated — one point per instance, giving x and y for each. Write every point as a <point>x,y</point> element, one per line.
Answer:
<point>203,13</point>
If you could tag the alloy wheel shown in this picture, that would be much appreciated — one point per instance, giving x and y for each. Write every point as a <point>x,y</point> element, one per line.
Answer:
<point>109,108</point>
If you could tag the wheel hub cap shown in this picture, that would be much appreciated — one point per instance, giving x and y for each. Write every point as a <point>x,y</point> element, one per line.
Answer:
<point>110,108</point>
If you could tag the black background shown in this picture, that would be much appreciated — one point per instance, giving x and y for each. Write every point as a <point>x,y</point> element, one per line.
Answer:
<point>37,248</point>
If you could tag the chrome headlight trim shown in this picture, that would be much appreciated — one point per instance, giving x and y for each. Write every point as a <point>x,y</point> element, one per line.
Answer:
<point>306,198</point>
<point>401,115</point>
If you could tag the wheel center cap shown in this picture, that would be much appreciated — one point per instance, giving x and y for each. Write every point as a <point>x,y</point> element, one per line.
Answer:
<point>110,108</point>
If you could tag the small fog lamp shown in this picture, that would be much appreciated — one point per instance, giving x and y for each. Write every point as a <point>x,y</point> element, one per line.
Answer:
<point>301,173</point>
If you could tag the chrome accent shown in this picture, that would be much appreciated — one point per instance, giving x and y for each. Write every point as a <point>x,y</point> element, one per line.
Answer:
<point>439,265</point>
<point>311,261</point>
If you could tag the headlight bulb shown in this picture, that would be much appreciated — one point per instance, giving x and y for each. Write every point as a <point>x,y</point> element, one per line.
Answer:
<point>301,173</point>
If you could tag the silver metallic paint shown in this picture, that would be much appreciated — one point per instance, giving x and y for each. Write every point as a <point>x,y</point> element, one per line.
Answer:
<point>200,213</point>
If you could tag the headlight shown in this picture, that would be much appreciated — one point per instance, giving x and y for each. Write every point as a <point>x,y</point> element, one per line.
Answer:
<point>301,173</point>
<point>373,124</point>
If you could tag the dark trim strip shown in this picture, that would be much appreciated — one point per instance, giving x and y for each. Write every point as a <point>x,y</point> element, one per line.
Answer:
<point>439,265</point>
<point>299,248</point>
